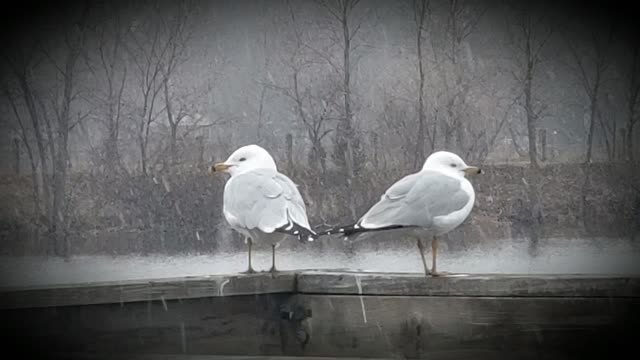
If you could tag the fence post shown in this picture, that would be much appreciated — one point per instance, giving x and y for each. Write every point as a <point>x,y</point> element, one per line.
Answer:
<point>542,135</point>
<point>16,143</point>
<point>289,141</point>
<point>623,152</point>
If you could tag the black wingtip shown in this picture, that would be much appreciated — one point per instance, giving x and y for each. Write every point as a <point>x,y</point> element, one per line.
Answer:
<point>346,230</point>
<point>302,233</point>
<point>332,231</point>
<point>356,228</point>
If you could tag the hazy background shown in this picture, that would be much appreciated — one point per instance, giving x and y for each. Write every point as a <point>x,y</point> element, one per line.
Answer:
<point>112,112</point>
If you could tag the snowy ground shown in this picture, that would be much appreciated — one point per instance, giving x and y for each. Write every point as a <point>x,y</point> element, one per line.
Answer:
<point>576,256</point>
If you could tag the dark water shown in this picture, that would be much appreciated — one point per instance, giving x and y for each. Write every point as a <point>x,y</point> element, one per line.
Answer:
<point>573,256</point>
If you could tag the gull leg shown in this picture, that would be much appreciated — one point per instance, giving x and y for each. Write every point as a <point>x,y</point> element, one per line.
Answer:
<point>424,262</point>
<point>250,269</point>
<point>434,251</point>
<point>273,260</point>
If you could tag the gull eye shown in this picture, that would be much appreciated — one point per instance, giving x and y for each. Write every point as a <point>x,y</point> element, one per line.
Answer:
<point>243,159</point>
<point>452,165</point>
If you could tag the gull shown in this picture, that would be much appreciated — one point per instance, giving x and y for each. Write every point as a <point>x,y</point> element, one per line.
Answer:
<point>261,203</point>
<point>433,201</point>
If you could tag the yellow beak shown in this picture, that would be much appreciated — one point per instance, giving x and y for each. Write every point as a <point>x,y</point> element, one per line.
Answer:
<point>219,167</point>
<point>472,170</point>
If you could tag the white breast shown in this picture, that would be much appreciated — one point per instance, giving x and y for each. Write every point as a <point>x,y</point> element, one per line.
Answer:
<point>446,223</point>
<point>231,218</point>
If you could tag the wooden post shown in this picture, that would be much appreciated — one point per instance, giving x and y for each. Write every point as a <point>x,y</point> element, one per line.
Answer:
<point>374,141</point>
<point>200,140</point>
<point>16,143</point>
<point>542,135</point>
<point>614,145</point>
<point>623,144</point>
<point>289,141</point>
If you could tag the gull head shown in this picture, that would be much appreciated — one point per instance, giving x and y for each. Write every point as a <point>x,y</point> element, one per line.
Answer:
<point>449,163</point>
<point>245,159</point>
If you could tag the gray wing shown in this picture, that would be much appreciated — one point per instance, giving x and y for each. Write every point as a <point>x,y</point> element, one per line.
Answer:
<point>415,200</point>
<point>295,204</point>
<point>263,199</point>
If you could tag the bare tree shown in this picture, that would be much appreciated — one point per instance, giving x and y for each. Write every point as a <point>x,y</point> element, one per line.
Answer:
<point>265,73</point>
<point>157,48</point>
<point>590,68</point>
<point>315,113</point>
<point>75,41</point>
<point>396,125</point>
<point>108,65</point>
<point>530,32</point>
<point>149,72</point>
<point>51,122</point>
<point>347,149</point>
<point>633,102</point>
<point>21,66</point>
<point>456,75</point>
<point>23,133</point>
<point>486,139</point>
<point>184,117</point>
<point>420,11</point>
<point>314,106</point>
